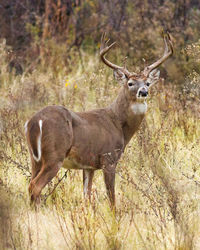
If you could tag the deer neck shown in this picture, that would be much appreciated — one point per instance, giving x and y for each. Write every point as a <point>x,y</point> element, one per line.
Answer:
<point>129,113</point>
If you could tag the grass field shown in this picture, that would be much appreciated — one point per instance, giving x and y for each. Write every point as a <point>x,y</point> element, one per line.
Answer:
<point>157,181</point>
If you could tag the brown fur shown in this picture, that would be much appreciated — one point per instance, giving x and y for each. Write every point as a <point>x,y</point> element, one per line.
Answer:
<point>94,139</point>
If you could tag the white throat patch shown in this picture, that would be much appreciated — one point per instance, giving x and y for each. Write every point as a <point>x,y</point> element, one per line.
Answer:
<point>139,108</point>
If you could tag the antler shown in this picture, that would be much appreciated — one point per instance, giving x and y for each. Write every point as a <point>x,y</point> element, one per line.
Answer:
<point>104,49</point>
<point>167,52</point>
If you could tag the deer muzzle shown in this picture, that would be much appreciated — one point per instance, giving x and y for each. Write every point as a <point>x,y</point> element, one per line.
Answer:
<point>142,92</point>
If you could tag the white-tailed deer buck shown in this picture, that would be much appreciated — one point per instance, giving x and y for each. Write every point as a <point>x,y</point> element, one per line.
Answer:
<point>92,140</point>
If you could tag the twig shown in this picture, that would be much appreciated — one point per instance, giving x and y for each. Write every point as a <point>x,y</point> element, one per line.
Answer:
<point>47,195</point>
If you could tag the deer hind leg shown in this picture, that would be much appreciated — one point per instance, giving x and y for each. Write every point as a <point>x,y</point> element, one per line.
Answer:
<point>87,182</point>
<point>35,168</point>
<point>45,175</point>
<point>109,178</point>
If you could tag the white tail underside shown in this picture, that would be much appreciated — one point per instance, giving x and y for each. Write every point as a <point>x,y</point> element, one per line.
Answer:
<point>39,144</point>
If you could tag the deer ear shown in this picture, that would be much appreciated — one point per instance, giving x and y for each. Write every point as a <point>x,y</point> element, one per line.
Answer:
<point>153,76</point>
<point>120,76</point>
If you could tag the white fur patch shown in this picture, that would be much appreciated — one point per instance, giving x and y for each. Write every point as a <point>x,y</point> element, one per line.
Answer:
<point>139,108</point>
<point>26,127</point>
<point>39,142</point>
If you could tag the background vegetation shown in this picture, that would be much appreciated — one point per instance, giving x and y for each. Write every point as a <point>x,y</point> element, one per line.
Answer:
<point>49,55</point>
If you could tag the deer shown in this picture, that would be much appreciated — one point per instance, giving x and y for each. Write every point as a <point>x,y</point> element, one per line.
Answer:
<point>91,140</point>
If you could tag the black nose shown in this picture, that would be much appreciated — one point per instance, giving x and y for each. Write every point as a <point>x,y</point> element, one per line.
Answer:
<point>143,93</point>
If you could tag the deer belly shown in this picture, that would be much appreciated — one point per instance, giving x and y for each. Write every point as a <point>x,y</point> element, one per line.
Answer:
<point>74,161</point>
<point>71,163</point>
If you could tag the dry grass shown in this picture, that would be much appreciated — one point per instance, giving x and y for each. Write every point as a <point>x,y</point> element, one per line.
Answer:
<point>157,182</point>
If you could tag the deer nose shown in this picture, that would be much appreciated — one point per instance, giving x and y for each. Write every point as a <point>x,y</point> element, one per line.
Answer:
<point>143,92</point>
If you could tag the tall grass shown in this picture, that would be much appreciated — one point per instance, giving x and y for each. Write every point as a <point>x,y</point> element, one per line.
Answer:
<point>157,181</point>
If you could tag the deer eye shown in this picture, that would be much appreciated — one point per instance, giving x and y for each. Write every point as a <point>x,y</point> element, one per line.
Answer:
<point>130,84</point>
<point>148,84</point>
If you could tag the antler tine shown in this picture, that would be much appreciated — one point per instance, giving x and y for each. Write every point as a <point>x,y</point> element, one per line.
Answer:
<point>170,42</point>
<point>104,48</point>
<point>168,51</point>
<point>102,41</point>
<point>124,61</point>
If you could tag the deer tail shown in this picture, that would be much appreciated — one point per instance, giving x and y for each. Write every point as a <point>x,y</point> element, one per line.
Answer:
<point>35,139</point>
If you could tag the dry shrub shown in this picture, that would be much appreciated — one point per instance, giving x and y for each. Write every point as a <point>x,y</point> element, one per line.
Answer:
<point>157,181</point>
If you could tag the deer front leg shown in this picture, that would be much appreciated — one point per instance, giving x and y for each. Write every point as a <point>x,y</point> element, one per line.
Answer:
<point>109,178</point>
<point>87,182</point>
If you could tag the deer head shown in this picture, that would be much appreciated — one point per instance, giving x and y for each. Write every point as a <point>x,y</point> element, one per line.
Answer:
<point>136,85</point>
